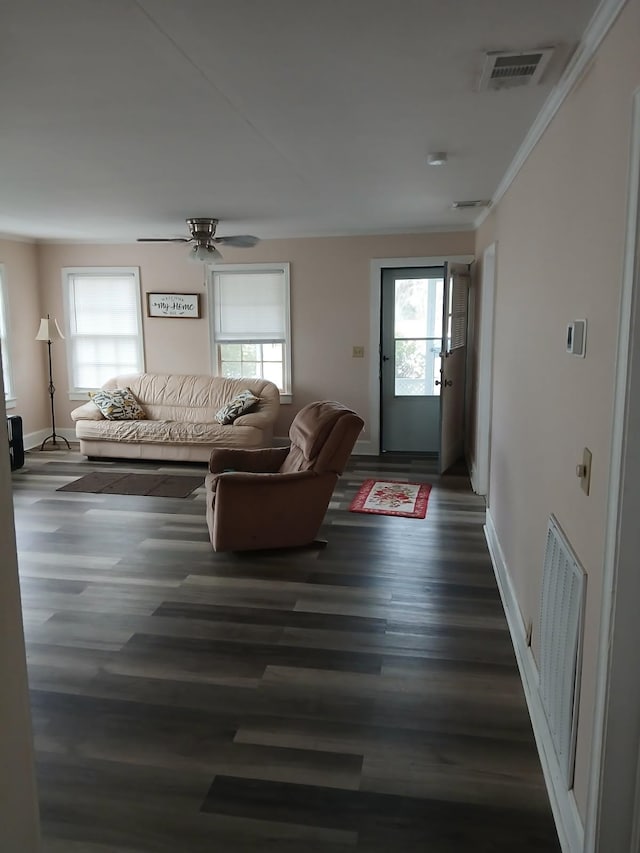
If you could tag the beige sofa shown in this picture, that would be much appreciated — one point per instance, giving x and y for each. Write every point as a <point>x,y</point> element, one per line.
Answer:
<point>180,420</point>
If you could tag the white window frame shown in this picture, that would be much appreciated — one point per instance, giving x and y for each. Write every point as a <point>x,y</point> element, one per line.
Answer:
<point>76,393</point>
<point>9,393</point>
<point>286,393</point>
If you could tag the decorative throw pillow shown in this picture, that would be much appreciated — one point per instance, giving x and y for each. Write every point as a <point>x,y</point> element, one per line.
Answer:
<point>118,405</point>
<point>241,403</point>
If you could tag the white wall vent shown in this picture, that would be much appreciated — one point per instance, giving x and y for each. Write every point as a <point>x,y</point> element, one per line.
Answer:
<point>506,69</point>
<point>561,627</point>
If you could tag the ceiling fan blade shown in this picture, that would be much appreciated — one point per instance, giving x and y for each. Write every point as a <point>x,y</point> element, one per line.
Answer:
<point>241,241</point>
<point>164,239</point>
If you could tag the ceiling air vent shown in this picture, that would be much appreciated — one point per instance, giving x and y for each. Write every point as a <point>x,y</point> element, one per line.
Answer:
<point>506,69</point>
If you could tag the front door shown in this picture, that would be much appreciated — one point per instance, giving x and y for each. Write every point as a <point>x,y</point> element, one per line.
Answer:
<point>411,342</point>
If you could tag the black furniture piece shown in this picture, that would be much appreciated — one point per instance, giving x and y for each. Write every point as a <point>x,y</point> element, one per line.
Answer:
<point>16,444</point>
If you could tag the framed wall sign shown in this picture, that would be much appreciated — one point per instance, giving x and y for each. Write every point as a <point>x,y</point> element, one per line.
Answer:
<point>173,305</point>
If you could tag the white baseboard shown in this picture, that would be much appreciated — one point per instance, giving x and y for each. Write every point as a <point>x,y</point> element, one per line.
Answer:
<point>362,448</point>
<point>565,811</point>
<point>35,439</point>
<point>472,476</point>
<point>365,448</point>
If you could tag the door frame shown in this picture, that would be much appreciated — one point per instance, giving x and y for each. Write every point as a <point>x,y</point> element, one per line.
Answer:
<point>613,821</point>
<point>372,447</point>
<point>484,391</point>
<point>20,828</point>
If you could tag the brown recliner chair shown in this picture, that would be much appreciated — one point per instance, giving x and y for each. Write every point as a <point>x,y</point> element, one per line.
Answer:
<point>277,497</point>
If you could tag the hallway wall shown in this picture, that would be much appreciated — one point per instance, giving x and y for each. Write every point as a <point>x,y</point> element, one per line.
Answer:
<point>560,231</point>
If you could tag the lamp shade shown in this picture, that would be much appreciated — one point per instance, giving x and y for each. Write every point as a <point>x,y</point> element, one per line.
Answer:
<point>204,254</point>
<point>49,330</point>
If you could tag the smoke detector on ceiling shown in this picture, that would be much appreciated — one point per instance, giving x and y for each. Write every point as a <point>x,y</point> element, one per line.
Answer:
<point>505,69</point>
<point>437,158</point>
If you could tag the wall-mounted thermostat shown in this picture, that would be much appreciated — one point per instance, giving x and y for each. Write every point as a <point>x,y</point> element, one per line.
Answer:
<point>577,337</point>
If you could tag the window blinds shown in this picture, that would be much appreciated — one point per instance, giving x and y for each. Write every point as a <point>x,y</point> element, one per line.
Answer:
<point>250,305</point>
<point>104,305</point>
<point>105,336</point>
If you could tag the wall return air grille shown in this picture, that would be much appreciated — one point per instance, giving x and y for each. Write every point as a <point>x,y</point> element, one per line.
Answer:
<point>506,69</point>
<point>561,626</point>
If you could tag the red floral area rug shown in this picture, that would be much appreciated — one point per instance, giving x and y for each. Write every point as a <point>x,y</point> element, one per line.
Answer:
<point>389,497</point>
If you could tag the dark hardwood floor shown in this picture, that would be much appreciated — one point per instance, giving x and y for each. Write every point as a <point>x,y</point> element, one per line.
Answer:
<point>362,697</point>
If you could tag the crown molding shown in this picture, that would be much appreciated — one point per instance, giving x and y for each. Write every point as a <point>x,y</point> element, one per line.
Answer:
<point>15,238</point>
<point>391,232</point>
<point>599,25</point>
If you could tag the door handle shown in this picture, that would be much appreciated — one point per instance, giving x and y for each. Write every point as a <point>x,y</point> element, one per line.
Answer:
<point>386,357</point>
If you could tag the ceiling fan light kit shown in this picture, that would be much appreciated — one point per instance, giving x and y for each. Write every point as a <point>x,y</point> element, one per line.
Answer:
<point>204,254</point>
<point>203,230</point>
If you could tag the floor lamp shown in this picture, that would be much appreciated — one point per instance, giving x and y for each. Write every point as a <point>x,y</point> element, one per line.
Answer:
<point>50,331</point>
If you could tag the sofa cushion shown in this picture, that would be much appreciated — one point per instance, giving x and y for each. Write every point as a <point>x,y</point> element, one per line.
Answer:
<point>168,432</point>
<point>241,403</point>
<point>119,404</point>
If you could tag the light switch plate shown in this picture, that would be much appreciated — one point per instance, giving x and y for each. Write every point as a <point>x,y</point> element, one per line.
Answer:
<point>358,352</point>
<point>577,337</point>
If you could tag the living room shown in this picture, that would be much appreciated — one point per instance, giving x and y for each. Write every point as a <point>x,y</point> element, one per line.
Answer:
<point>562,224</point>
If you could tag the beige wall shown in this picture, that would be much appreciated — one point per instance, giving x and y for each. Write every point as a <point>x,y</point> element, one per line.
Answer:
<point>330,298</point>
<point>560,231</point>
<point>28,356</point>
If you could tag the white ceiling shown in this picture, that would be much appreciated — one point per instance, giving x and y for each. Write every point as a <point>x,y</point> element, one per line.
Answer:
<point>282,118</point>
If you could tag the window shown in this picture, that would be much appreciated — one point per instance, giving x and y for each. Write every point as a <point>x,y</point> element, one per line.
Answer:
<point>104,325</point>
<point>457,311</point>
<point>418,305</point>
<point>4,341</point>
<point>250,324</point>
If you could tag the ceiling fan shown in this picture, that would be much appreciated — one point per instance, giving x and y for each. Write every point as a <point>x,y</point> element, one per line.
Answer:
<point>203,238</point>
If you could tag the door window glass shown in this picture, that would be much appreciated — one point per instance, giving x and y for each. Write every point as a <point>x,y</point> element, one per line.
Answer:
<point>418,311</point>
